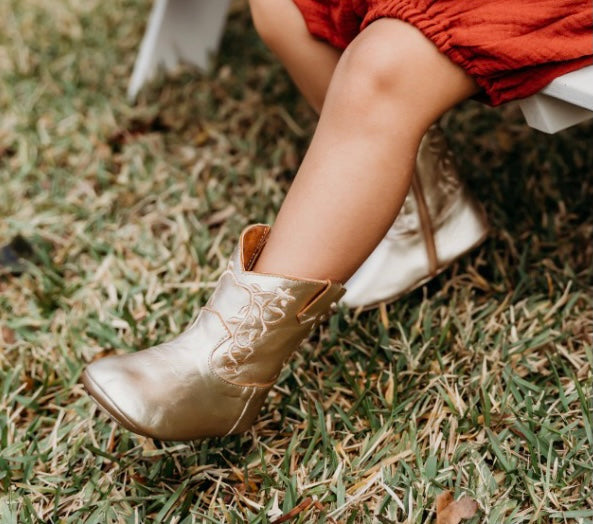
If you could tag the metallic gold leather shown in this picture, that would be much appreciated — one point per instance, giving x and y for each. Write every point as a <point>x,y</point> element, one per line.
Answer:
<point>212,379</point>
<point>441,186</point>
<point>439,221</point>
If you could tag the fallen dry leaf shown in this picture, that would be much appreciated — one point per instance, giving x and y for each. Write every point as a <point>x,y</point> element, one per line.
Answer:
<point>8,335</point>
<point>451,511</point>
<point>294,511</point>
<point>443,500</point>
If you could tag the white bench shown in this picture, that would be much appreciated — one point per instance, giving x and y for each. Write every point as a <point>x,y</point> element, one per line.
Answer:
<point>190,30</point>
<point>178,31</point>
<point>564,102</point>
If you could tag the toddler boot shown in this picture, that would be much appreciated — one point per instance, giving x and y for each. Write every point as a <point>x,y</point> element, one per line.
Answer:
<point>213,378</point>
<point>439,222</point>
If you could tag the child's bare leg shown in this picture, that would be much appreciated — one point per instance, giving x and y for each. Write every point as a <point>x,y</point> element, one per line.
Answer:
<point>309,61</point>
<point>389,85</point>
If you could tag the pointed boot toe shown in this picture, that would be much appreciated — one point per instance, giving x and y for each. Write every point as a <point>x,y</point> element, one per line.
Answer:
<point>107,382</point>
<point>213,378</point>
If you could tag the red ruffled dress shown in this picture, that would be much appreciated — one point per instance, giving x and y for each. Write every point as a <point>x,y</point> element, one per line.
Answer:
<point>512,48</point>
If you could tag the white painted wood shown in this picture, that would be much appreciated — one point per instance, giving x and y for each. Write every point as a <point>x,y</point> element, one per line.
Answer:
<point>575,87</point>
<point>190,30</point>
<point>550,115</point>
<point>178,30</point>
<point>566,101</point>
<point>147,60</point>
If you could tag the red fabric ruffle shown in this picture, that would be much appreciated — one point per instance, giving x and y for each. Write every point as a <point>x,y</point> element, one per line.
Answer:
<point>512,48</point>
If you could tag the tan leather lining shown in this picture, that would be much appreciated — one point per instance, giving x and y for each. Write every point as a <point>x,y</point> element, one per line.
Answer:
<point>253,242</point>
<point>425,225</point>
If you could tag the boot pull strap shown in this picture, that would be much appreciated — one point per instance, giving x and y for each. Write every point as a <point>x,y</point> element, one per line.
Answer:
<point>321,303</point>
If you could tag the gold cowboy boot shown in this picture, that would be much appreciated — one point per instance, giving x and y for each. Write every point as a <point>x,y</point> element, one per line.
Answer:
<point>438,223</point>
<point>213,378</point>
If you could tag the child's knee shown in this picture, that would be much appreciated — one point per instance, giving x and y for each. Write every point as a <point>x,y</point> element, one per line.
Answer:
<point>393,58</point>
<point>373,67</point>
<point>386,58</point>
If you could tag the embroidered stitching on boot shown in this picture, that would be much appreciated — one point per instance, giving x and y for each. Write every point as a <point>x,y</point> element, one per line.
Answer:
<point>264,309</point>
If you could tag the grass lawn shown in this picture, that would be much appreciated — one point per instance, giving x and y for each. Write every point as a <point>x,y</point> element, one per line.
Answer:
<point>479,383</point>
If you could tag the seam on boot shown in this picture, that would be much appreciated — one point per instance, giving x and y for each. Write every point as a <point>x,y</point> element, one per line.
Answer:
<point>238,421</point>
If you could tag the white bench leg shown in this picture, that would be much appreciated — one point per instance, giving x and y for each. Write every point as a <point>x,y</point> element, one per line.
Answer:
<point>178,30</point>
<point>550,114</point>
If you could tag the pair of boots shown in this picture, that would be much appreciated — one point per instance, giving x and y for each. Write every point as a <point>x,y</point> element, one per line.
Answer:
<point>213,378</point>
